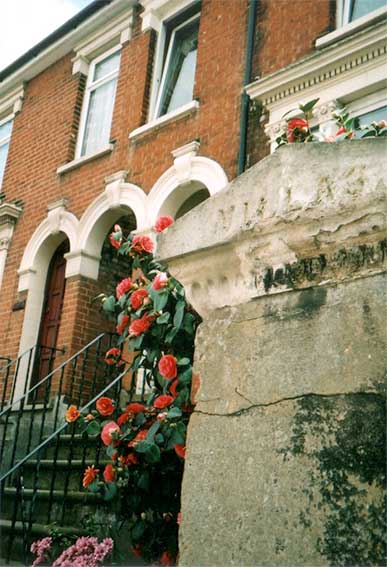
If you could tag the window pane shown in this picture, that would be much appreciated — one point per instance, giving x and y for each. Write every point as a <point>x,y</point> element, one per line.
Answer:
<point>180,75</point>
<point>3,159</point>
<point>107,66</point>
<point>363,7</point>
<point>373,116</point>
<point>99,117</point>
<point>5,129</point>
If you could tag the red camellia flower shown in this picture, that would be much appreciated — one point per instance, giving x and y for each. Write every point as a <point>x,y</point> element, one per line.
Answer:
<point>136,551</point>
<point>141,436</point>
<point>142,244</point>
<point>162,223</point>
<point>116,236</point>
<point>129,460</point>
<point>107,431</point>
<point>295,124</point>
<point>125,319</point>
<point>139,326</point>
<point>105,406</point>
<point>138,298</point>
<point>163,401</point>
<point>112,356</point>
<point>89,476</point>
<point>180,450</point>
<point>167,366</point>
<point>123,287</point>
<point>123,418</point>
<point>108,474</point>
<point>167,559</point>
<point>160,281</point>
<point>72,414</point>
<point>172,388</point>
<point>135,408</point>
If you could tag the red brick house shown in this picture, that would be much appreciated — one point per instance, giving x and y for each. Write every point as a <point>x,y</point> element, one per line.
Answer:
<point>137,108</point>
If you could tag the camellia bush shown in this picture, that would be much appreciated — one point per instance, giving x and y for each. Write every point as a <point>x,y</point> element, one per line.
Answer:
<point>341,127</point>
<point>145,440</point>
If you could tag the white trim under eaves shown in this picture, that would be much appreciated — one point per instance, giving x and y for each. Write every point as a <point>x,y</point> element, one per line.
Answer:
<point>66,44</point>
<point>322,66</point>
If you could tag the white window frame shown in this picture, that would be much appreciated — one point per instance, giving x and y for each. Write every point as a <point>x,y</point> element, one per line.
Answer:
<point>6,139</point>
<point>91,86</point>
<point>344,8</point>
<point>163,70</point>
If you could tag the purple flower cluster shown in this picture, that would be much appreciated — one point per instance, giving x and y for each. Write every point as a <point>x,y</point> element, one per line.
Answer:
<point>86,552</point>
<point>41,549</point>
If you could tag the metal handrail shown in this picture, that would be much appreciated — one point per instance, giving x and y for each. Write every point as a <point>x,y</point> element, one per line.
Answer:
<point>63,426</point>
<point>43,380</point>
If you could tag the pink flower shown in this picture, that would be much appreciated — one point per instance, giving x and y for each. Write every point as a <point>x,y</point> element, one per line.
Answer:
<point>105,406</point>
<point>167,366</point>
<point>167,559</point>
<point>142,244</point>
<point>296,126</point>
<point>163,222</point>
<point>89,476</point>
<point>141,436</point>
<point>108,430</point>
<point>123,287</point>
<point>138,298</point>
<point>140,326</point>
<point>160,281</point>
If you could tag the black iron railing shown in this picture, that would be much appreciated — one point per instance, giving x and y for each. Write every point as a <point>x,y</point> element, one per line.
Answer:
<point>42,485</point>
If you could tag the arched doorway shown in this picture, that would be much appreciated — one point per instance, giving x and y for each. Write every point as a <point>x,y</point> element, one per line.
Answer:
<point>51,314</point>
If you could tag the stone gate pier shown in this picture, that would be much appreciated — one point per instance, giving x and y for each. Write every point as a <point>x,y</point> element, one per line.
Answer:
<point>285,451</point>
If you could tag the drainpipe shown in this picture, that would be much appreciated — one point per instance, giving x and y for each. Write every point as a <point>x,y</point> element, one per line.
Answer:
<point>246,80</point>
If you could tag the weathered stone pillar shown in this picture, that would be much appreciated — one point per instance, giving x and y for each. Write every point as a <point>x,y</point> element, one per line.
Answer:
<point>285,450</point>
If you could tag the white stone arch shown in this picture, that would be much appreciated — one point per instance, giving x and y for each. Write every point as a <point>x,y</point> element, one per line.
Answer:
<point>52,231</point>
<point>189,172</point>
<point>117,198</point>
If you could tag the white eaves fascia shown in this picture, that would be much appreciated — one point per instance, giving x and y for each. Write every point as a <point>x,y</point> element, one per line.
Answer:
<point>64,45</point>
<point>279,82</point>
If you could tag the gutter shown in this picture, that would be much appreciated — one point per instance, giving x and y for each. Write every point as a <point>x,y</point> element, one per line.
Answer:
<point>246,80</point>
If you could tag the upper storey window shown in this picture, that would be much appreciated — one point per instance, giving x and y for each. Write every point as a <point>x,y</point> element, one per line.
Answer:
<point>179,64</point>
<point>5,137</point>
<point>353,9</point>
<point>98,103</point>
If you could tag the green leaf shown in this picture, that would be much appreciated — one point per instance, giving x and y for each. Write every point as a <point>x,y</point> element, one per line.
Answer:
<point>138,530</point>
<point>152,431</point>
<point>153,454</point>
<point>139,419</point>
<point>109,305</point>
<point>144,481</point>
<point>135,343</point>
<point>179,314</point>
<point>160,300</point>
<point>110,450</point>
<point>186,376</point>
<point>110,491</point>
<point>159,438</point>
<point>183,361</point>
<point>142,446</point>
<point>164,318</point>
<point>189,323</point>
<point>93,429</point>
<point>174,412</point>
<point>94,486</point>
<point>171,335</point>
<point>309,105</point>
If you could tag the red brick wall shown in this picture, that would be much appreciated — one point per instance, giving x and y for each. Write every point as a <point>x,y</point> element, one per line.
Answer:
<point>285,32</point>
<point>44,137</point>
